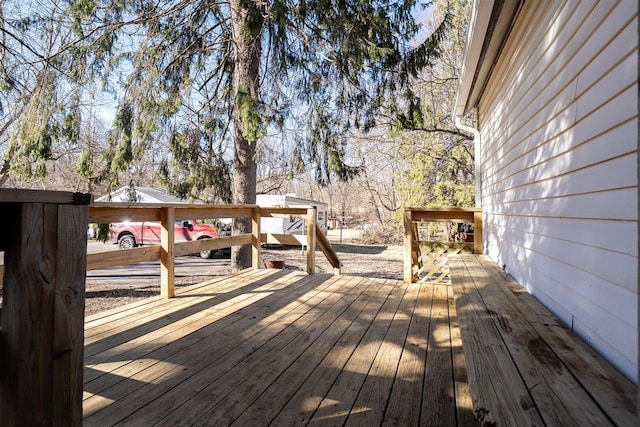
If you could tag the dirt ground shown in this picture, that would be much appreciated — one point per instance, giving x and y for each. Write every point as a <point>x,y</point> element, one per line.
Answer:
<point>383,261</point>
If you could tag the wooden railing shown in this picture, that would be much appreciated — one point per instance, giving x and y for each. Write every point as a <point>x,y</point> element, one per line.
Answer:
<point>412,253</point>
<point>42,316</point>
<point>117,212</point>
<point>169,249</point>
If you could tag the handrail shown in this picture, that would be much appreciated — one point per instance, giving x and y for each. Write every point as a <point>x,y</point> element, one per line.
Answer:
<point>167,214</point>
<point>413,215</point>
<point>328,250</point>
<point>107,212</point>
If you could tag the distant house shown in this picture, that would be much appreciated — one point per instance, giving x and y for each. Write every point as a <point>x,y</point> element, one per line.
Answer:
<point>555,85</point>
<point>139,195</point>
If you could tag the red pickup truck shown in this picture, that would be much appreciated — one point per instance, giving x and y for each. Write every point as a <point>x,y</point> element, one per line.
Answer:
<point>132,234</point>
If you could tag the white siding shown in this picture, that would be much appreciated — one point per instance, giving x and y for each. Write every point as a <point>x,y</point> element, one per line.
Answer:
<point>559,130</point>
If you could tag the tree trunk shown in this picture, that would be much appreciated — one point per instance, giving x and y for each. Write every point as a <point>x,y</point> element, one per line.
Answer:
<point>247,28</point>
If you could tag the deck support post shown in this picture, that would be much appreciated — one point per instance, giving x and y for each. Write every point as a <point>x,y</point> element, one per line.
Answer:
<point>255,238</point>
<point>167,252</point>
<point>42,338</point>
<point>311,239</point>
<point>408,246</point>
<point>478,239</point>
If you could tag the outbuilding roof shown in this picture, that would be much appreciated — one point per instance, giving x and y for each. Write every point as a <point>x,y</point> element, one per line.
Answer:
<point>143,195</point>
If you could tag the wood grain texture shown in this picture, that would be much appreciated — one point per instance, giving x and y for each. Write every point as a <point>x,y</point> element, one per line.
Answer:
<point>566,381</point>
<point>43,314</point>
<point>499,396</point>
<point>268,346</point>
<point>167,252</point>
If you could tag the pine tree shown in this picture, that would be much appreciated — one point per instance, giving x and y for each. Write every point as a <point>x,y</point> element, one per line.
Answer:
<point>204,76</point>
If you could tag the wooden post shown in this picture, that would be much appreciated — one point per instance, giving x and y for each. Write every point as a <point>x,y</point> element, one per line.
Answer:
<point>167,255</point>
<point>478,243</point>
<point>408,246</point>
<point>255,238</point>
<point>42,341</point>
<point>311,240</point>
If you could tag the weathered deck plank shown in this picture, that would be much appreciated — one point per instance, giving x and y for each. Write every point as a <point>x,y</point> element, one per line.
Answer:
<point>109,371</point>
<point>215,347</point>
<point>545,371</point>
<point>273,399</point>
<point>265,347</point>
<point>273,347</point>
<point>499,395</point>
<point>406,393</point>
<point>375,356</point>
<point>223,400</point>
<point>439,388</point>
<point>305,402</point>
<point>557,394</point>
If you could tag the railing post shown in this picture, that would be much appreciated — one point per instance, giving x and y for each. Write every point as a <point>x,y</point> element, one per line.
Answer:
<point>311,239</point>
<point>255,238</point>
<point>408,246</point>
<point>167,255</point>
<point>478,242</point>
<point>42,340</point>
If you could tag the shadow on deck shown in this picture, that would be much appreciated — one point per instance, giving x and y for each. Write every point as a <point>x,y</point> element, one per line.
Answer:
<point>283,348</point>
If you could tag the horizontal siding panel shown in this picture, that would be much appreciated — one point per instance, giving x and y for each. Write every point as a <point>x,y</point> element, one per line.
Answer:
<point>563,66</point>
<point>518,69</point>
<point>533,167</point>
<point>571,301</point>
<point>620,204</point>
<point>613,236</point>
<point>623,76</point>
<point>554,120</point>
<point>558,122</point>
<point>542,242</point>
<point>621,359</point>
<point>549,181</point>
<point>521,50</point>
<point>558,137</point>
<point>610,43</point>
<point>550,84</point>
<point>544,74</point>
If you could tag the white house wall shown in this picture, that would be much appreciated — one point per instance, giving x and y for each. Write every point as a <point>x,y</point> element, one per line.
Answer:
<point>558,122</point>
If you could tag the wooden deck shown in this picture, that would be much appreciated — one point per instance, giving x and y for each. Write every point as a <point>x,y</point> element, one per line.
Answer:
<point>281,348</point>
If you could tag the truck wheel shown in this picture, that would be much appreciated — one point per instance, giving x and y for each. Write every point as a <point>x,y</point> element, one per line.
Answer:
<point>127,242</point>
<point>207,254</point>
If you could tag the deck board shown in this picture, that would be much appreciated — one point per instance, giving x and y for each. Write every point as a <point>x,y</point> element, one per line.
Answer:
<point>272,399</point>
<point>283,348</point>
<point>270,347</point>
<point>523,366</point>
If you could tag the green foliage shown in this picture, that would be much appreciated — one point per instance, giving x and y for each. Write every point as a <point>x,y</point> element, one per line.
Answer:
<point>324,69</point>
<point>437,174</point>
<point>438,167</point>
<point>252,128</point>
<point>254,18</point>
<point>189,174</point>
<point>31,144</point>
<point>121,153</point>
<point>84,166</point>
<point>454,194</point>
<point>102,232</point>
